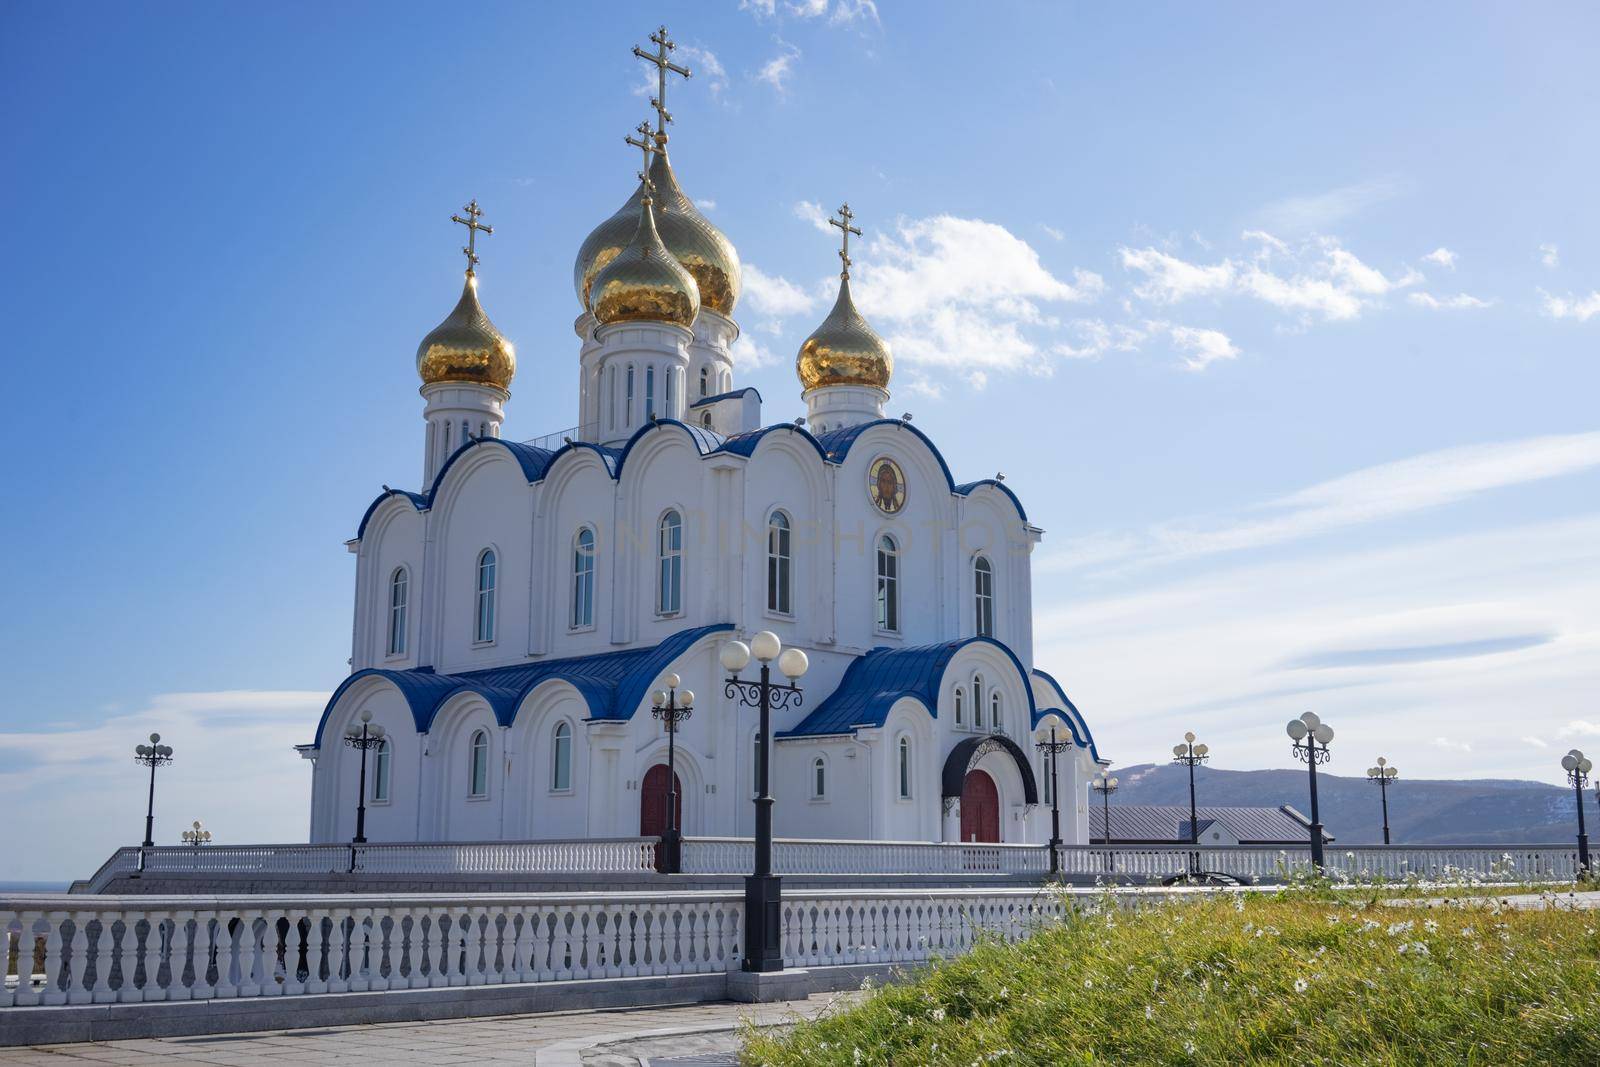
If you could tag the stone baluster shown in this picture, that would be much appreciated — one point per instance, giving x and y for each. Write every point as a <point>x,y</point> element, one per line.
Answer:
<point>294,947</point>
<point>52,992</point>
<point>178,956</point>
<point>253,969</point>
<point>339,962</point>
<point>128,957</point>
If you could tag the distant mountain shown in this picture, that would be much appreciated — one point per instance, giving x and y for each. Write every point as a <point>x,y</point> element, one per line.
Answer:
<point>1421,811</point>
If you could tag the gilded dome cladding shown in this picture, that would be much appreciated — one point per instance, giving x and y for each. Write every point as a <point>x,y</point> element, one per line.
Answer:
<point>708,255</point>
<point>466,347</point>
<point>644,282</point>
<point>844,350</point>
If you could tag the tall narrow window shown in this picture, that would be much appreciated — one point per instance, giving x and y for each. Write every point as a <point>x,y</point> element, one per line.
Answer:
<point>819,777</point>
<point>780,577</point>
<point>905,768</point>
<point>478,765</point>
<point>995,718</point>
<point>671,376</point>
<point>649,393</point>
<point>484,627</point>
<point>381,759</point>
<point>888,584</point>
<point>583,578</point>
<point>399,597</point>
<point>983,595</point>
<point>961,710</point>
<point>669,551</point>
<point>705,381</point>
<point>561,757</point>
<point>705,420</point>
<point>977,701</point>
<point>611,396</point>
<point>627,399</point>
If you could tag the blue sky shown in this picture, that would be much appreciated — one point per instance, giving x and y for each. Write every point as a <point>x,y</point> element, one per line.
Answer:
<point>1283,323</point>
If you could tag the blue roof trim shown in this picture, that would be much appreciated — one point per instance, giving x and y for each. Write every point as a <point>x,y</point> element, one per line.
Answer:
<point>726,396</point>
<point>1074,717</point>
<point>705,441</point>
<point>966,489</point>
<point>613,684</point>
<point>873,683</point>
<point>418,502</point>
<point>745,444</point>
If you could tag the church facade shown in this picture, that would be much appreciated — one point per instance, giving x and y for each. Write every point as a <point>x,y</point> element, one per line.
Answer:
<point>514,616</point>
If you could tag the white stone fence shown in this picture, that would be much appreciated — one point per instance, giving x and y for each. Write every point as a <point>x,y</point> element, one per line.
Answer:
<point>92,949</point>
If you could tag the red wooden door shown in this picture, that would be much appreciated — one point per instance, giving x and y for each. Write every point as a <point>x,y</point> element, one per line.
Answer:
<point>980,808</point>
<point>653,802</point>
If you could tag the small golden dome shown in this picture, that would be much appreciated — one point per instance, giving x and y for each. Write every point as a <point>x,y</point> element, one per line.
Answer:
<point>844,350</point>
<point>693,241</point>
<point>644,282</point>
<point>466,347</point>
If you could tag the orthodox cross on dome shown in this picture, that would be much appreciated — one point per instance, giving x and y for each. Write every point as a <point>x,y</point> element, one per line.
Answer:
<point>649,148</point>
<point>664,45</point>
<point>843,222</point>
<point>474,213</point>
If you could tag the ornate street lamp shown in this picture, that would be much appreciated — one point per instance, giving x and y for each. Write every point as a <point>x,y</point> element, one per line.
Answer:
<point>1105,787</point>
<point>1307,732</point>
<point>1193,755</point>
<point>1383,774</point>
<point>1054,748</point>
<point>198,836</point>
<point>1578,766</point>
<point>365,738</point>
<point>763,891</point>
<point>672,707</point>
<point>153,755</point>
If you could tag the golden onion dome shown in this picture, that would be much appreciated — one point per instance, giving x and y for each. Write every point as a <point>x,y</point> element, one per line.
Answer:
<point>644,282</point>
<point>844,350</point>
<point>702,248</point>
<point>466,347</point>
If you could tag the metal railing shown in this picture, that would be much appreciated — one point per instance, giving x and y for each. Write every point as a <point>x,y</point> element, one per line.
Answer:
<point>554,441</point>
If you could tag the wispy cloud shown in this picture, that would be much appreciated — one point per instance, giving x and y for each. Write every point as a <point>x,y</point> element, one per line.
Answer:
<point>706,66</point>
<point>1536,742</point>
<point>1441,256</point>
<point>1451,745</point>
<point>814,213</point>
<point>777,71</point>
<point>1461,301</point>
<point>1052,233</point>
<point>1321,211</point>
<point>706,205</point>
<point>1581,728</point>
<point>773,295</point>
<point>1201,347</point>
<point>1550,256</point>
<point>1582,308</point>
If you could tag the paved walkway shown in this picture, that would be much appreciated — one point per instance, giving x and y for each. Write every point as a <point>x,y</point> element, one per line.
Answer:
<point>703,1033</point>
<point>1586,900</point>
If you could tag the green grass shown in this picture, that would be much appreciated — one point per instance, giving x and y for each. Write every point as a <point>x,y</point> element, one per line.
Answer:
<point>1285,979</point>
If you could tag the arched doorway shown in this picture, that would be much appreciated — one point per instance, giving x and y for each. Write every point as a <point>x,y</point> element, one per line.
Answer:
<point>980,809</point>
<point>653,802</point>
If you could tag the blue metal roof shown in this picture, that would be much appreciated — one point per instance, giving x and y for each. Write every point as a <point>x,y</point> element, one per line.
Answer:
<point>726,396</point>
<point>744,444</point>
<point>612,683</point>
<point>966,488</point>
<point>873,683</point>
<point>1069,711</point>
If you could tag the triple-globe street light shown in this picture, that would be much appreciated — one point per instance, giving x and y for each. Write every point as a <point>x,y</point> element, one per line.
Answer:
<point>153,755</point>
<point>1308,732</point>
<point>364,738</point>
<point>763,891</point>
<point>197,836</point>
<point>672,706</point>
<point>1193,755</point>
<point>1578,766</point>
<point>1105,787</point>
<point>1383,774</point>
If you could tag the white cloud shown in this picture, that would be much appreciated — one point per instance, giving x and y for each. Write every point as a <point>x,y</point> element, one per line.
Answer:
<point>1202,347</point>
<point>1457,302</point>
<point>1320,211</point>
<point>812,212</point>
<point>705,65</point>
<point>1536,742</point>
<point>807,9</point>
<point>706,205</point>
<point>1581,728</point>
<point>1442,256</point>
<point>1052,233</point>
<point>850,12</point>
<point>1168,279</point>
<point>750,354</point>
<point>1569,307</point>
<point>1453,746</point>
<point>777,71</point>
<point>759,8</point>
<point>1550,256</point>
<point>774,295</point>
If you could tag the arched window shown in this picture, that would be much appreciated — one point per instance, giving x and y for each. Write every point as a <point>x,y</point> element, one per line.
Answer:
<point>705,381</point>
<point>627,399</point>
<point>983,595</point>
<point>381,760</point>
<point>995,718</point>
<point>478,765</point>
<point>905,768</point>
<point>961,709</point>
<point>399,597</point>
<point>583,578</point>
<point>561,757</point>
<point>780,574</point>
<point>669,552</point>
<point>705,420</point>
<point>977,701</point>
<point>649,393</point>
<point>819,778</point>
<point>483,630</point>
<point>888,584</point>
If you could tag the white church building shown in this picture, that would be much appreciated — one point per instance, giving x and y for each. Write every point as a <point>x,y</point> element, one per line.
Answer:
<point>514,614</point>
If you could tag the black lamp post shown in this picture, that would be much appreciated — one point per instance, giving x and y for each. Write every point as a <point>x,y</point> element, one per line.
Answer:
<point>1307,732</point>
<point>153,755</point>
<point>1193,755</point>
<point>1105,787</point>
<point>763,891</point>
<point>1054,748</point>
<point>1383,774</point>
<point>364,738</point>
<point>1578,766</point>
<point>672,707</point>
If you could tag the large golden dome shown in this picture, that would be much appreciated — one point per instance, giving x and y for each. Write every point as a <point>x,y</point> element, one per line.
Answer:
<point>701,247</point>
<point>466,347</point>
<point>644,282</point>
<point>844,350</point>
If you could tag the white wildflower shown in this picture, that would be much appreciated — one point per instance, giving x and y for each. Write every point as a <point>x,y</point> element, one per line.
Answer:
<point>1088,983</point>
<point>1301,985</point>
<point>937,1015</point>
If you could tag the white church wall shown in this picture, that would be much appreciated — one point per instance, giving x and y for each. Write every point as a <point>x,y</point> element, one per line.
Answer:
<point>663,473</point>
<point>786,474</point>
<point>844,809</point>
<point>337,770</point>
<point>393,539</point>
<point>458,814</point>
<point>577,492</point>
<point>483,503</point>
<point>539,803</point>
<point>914,816</point>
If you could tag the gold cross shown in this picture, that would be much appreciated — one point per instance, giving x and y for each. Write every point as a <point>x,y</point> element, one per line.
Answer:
<point>843,222</point>
<point>473,226</point>
<point>649,147</point>
<point>663,64</point>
